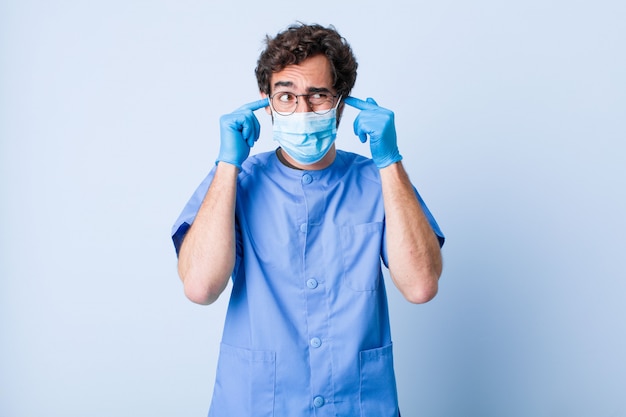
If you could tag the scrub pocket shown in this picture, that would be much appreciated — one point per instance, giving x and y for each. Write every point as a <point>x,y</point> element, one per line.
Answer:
<point>378,383</point>
<point>245,382</point>
<point>361,245</point>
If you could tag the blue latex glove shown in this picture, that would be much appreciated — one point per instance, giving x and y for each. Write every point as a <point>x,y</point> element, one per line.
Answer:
<point>377,123</point>
<point>238,132</point>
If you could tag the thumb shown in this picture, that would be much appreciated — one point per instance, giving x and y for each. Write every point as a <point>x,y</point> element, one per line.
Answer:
<point>371,101</point>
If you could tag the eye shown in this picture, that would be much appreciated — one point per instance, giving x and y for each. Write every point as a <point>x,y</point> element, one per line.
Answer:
<point>319,98</point>
<point>286,97</point>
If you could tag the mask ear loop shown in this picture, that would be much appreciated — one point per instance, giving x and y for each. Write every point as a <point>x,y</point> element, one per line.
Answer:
<point>338,101</point>
<point>272,107</point>
<point>337,115</point>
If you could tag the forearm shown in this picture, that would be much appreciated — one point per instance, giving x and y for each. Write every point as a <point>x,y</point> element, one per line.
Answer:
<point>414,255</point>
<point>207,254</point>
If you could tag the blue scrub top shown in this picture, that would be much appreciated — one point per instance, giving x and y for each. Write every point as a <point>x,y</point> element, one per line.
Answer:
<point>307,328</point>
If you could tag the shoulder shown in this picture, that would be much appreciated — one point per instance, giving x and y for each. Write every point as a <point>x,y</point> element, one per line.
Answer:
<point>358,165</point>
<point>256,162</point>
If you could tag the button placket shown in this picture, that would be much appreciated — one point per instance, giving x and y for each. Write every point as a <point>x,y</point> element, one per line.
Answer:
<point>317,303</point>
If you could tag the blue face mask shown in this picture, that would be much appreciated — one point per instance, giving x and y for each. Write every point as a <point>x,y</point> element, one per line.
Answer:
<point>306,137</point>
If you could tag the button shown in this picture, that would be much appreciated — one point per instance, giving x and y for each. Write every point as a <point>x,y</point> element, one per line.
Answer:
<point>307,179</point>
<point>311,283</point>
<point>316,342</point>
<point>318,401</point>
<point>303,227</point>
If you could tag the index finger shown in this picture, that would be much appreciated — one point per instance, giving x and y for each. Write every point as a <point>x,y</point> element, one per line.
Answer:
<point>255,105</point>
<point>359,104</point>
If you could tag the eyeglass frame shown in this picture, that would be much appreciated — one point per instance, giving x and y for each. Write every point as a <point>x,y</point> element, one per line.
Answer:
<point>308,102</point>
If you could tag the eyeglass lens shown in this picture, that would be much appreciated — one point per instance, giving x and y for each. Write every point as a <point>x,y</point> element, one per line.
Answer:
<point>286,103</point>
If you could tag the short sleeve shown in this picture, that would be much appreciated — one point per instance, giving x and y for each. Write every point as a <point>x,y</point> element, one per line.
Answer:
<point>188,214</point>
<point>431,220</point>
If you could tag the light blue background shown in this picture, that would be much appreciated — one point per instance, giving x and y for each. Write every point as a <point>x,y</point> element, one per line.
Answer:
<point>511,118</point>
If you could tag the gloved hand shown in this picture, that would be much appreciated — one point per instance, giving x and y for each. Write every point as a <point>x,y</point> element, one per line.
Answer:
<point>377,123</point>
<point>238,132</point>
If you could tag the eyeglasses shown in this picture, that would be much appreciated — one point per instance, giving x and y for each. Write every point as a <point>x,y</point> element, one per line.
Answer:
<point>286,103</point>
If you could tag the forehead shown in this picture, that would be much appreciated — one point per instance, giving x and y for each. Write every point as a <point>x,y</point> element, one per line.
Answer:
<point>313,72</point>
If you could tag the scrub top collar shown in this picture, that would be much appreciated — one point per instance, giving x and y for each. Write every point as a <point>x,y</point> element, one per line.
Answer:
<point>330,174</point>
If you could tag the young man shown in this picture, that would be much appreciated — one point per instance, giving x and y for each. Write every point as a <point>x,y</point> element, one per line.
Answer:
<point>302,232</point>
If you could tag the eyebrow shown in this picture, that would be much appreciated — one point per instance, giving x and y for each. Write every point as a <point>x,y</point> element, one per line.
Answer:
<point>283,84</point>
<point>318,90</point>
<point>309,90</point>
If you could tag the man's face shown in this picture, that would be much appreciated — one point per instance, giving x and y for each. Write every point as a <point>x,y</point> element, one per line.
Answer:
<point>313,75</point>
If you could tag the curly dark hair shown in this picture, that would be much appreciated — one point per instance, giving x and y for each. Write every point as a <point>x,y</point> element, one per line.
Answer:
<point>299,42</point>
